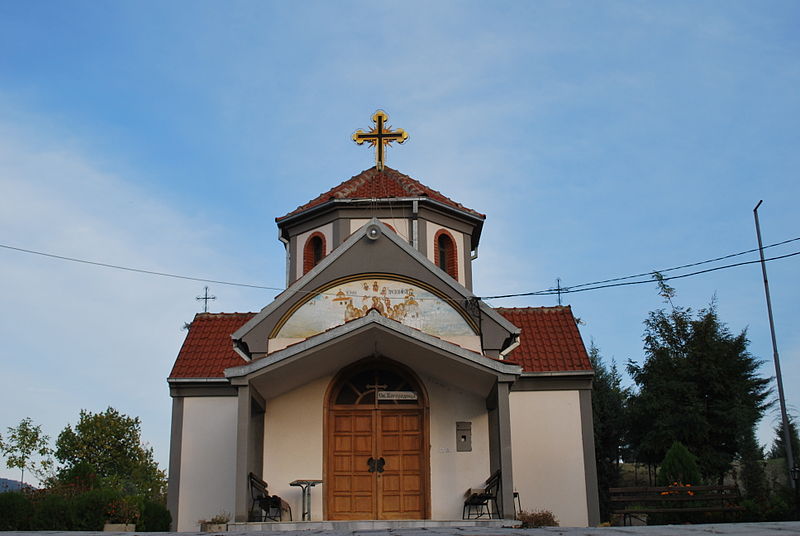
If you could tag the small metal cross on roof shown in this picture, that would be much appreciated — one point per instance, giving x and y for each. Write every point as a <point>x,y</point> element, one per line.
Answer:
<point>380,135</point>
<point>205,297</point>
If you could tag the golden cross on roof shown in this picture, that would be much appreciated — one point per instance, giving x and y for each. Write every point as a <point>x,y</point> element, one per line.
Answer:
<point>380,135</point>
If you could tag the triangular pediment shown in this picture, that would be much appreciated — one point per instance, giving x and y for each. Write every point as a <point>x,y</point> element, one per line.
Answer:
<point>375,270</point>
<point>372,336</point>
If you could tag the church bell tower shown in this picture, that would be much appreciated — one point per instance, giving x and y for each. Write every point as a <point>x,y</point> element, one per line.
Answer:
<point>444,231</point>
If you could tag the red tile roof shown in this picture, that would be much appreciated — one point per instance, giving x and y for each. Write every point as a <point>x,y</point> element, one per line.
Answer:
<point>374,184</point>
<point>550,340</point>
<point>208,348</point>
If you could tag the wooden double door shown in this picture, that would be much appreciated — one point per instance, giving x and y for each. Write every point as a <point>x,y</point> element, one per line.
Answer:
<point>377,466</point>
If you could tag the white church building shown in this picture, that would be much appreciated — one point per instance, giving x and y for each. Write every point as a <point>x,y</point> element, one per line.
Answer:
<point>379,373</point>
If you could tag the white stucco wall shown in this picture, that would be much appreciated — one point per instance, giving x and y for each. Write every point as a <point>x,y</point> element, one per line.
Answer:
<point>400,225</point>
<point>547,457</point>
<point>431,230</point>
<point>208,460</point>
<point>293,444</point>
<point>452,473</point>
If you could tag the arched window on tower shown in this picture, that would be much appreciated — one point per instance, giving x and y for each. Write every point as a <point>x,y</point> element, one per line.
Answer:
<point>445,254</point>
<point>314,251</point>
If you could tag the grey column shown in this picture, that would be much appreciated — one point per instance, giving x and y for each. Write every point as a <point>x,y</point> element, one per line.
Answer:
<point>422,237</point>
<point>243,453</point>
<point>175,446</point>
<point>589,461</point>
<point>341,232</point>
<point>466,248</point>
<point>292,252</point>
<point>500,446</point>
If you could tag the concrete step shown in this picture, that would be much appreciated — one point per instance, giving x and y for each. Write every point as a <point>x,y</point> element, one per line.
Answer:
<point>368,524</point>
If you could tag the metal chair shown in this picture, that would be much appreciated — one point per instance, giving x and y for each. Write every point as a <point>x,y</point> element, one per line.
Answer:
<point>483,502</point>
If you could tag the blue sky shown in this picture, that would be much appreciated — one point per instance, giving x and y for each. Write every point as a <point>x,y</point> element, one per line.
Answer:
<point>600,138</point>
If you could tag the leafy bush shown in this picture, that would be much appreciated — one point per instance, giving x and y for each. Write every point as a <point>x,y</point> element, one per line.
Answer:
<point>91,506</point>
<point>81,476</point>
<point>155,518</point>
<point>537,518</point>
<point>779,506</point>
<point>52,512</point>
<point>126,509</point>
<point>16,511</point>
<point>66,507</point>
<point>753,510</point>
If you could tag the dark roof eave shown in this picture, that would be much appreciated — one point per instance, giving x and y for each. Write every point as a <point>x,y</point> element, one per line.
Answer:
<point>198,380</point>
<point>475,216</point>
<point>561,373</point>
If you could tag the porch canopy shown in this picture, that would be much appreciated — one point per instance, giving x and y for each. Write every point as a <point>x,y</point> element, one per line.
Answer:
<point>373,335</point>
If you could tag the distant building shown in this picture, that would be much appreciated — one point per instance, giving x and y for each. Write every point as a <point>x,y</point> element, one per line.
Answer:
<point>6,484</point>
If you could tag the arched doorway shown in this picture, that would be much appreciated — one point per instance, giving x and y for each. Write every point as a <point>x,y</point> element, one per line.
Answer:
<point>377,447</point>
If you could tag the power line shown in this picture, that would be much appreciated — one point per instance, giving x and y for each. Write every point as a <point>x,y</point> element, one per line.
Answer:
<point>685,265</point>
<point>583,287</point>
<point>681,276</point>
<point>566,290</point>
<point>137,270</point>
<point>174,276</point>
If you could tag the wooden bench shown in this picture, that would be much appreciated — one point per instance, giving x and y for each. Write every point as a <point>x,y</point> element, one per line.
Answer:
<point>479,502</point>
<point>632,502</point>
<point>271,506</point>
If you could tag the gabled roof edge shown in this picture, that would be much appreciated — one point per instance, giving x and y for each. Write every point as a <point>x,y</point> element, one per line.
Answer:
<point>346,245</point>
<point>373,317</point>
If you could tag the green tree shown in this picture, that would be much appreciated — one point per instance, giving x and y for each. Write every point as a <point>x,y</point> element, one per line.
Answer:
<point>698,385</point>
<point>27,448</point>
<point>678,466</point>
<point>778,449</point>
<point>608,412</point>
<point>110,443</point>
<point>753,474</point>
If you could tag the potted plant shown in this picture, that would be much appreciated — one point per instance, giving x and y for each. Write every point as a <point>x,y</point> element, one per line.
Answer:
<point>218,523</point>
<point>537,518</point>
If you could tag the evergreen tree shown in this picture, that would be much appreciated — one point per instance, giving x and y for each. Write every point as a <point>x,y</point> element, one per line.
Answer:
<point>608,412</point>
<point>698,385</point>
<point>678,467</point>
<point>753,474</point>
<point>778,449</point>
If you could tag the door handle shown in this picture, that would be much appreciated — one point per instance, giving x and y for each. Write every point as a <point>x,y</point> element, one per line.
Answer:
<point>380,462</point>
<point>371,463</point>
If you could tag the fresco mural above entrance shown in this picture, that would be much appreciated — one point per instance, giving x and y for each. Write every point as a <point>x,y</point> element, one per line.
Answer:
<point>399,300</point>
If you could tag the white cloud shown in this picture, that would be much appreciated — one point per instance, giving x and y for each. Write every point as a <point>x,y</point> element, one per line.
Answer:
<point>74,336</point>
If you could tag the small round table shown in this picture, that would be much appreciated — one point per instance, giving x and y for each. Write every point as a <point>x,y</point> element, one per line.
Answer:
<point>305,486</point>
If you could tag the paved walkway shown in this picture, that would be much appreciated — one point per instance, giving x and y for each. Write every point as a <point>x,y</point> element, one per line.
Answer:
<point>738,529</point>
